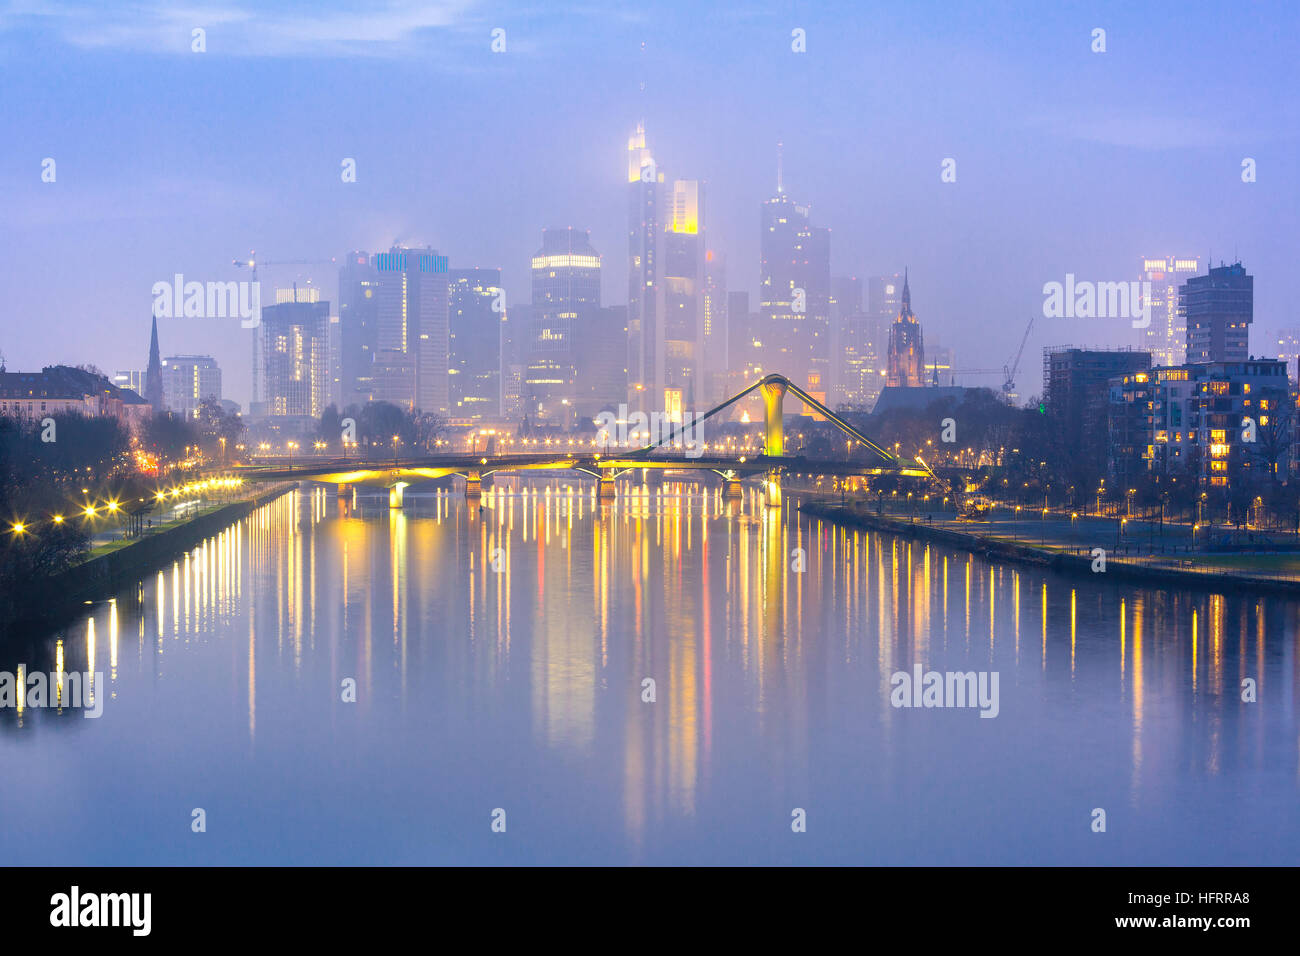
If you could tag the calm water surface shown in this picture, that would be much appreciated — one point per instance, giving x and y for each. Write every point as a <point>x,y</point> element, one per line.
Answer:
<point>521,689</point>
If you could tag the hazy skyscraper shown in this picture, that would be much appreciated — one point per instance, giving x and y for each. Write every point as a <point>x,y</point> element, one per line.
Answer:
<point>1166,337</point>
<point>644,330</point>
<point>566,297</point>
<point>849,336</point>
<point>717,329</point>
<point>295,358</point>
<point>359,326</point>
<point>1219,307</point>
<point>475,364</point>
<point>795,278</point>
<point>412,321</point>
<point>682,265</point>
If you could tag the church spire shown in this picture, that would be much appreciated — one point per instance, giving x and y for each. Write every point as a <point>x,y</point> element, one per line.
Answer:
<point>153,384</point>
<point>907,294</point>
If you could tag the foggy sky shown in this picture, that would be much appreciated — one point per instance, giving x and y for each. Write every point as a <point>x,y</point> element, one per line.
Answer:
<point>1067,161</point>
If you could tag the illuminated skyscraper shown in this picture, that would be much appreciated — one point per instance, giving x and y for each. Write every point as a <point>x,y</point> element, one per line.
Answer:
<point>906,350</point>
<point>412,328</point>
<point>295,358</point>
<point>1166,337</point>
<point>682,280</point>
<point>644,329</point>
<point>794,293</point>
<point>566,303</point>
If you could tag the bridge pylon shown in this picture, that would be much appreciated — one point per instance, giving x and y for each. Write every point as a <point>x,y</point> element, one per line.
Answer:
<point>773,389</point>
<point>473,484</point>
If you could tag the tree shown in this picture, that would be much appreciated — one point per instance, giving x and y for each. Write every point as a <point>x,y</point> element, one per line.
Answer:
<point>168,435</point>
<point>214,423</point>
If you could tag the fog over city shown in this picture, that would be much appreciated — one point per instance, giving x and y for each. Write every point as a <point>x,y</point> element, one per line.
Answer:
<point>1066,160</point>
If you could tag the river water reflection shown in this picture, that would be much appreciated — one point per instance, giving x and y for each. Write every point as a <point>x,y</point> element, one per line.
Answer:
<point>500,658</point>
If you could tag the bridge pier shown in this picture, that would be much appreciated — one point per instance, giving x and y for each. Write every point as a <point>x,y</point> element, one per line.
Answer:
<point>395,494</point>
<point>605,489</point>
<point>772,489</point>
<point>773,392</point>
<point>473,485</point>
<point>731,488</point>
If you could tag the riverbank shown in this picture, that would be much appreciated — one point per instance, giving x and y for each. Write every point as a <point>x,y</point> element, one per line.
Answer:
<point>1192,570</point>
<point>53,602</point>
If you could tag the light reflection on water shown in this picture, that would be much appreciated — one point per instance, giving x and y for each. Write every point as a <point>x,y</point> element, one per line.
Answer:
<point>521,688</point>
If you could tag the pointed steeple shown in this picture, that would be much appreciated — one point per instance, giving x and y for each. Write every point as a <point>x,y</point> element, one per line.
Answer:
<point>153,385</point>
<point>907,294</point>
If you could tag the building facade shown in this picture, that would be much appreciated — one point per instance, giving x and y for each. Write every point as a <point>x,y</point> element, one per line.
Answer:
<point>1219,308</point>
<point>476,307</point>
<point>566,301</point>
<point>1166,337</point>
<point>295,358</point>
<point>188,381</point>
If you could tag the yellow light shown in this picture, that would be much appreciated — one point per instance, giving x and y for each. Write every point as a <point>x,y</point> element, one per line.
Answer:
<point>112,506</point>
<point>90,511</point>
<point>19,528</point>
<point>58,519</point>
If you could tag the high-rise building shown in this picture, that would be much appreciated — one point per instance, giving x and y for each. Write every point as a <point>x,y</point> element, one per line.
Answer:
<point>906,348</point>
<point>1219,307</point>
<point>795,291</point>
<point>644,328</point>
<point>153,385</point>
<point>359,326</point>
<point>717,328</point>
<point>412,320</point>
<point>848,335</point>
<point>1166,337</point>
<point>188,381</point>
<point>566,298</point>
<point>477,304</point>
<point>601,357</point>
<point>295,358</point>
<point>516,321</point>
<point>682,265</point>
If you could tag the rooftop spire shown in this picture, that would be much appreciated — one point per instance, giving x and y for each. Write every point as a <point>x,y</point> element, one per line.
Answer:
<point>153,386</point>
<point>780,172</point>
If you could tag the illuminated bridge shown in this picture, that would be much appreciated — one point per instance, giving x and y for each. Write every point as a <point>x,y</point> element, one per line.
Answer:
<point>605,466</point>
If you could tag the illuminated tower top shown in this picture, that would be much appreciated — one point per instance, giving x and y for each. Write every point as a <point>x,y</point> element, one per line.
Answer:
<point>638,155</point>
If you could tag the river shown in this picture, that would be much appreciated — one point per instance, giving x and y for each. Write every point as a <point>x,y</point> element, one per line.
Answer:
<point>329,684</point>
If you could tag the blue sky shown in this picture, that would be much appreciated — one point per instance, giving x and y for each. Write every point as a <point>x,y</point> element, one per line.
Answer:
<point>1067,160</point>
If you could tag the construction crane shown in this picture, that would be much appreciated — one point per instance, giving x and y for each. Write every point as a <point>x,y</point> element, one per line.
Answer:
<point>1009,386</point>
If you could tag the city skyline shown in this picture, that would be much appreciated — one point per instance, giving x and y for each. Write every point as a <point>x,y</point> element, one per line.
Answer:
<point>882,197</point>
